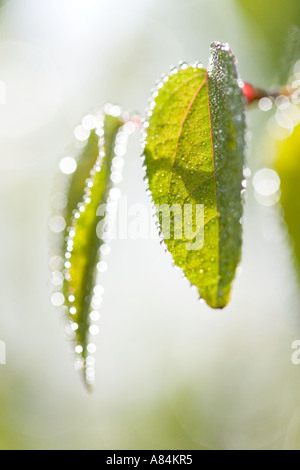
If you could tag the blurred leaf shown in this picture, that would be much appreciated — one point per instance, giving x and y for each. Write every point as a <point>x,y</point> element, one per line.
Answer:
<point>194,156</point>
<point>69,189</point>
<point>287,166</point>
<point>84,252</point>
<point>274,19</point>
<point>291,56</point>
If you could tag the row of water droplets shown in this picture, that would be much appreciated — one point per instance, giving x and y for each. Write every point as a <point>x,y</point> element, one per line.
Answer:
<point>60,265</point>
<point>87,365</point>
<point>237,117</point>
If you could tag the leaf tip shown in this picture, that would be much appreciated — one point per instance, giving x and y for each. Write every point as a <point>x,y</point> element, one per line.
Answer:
<point>218,48</point>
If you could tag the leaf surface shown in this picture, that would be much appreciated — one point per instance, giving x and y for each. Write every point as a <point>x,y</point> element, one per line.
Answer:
<point>194,156</point>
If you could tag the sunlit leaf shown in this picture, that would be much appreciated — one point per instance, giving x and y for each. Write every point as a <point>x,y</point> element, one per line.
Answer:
<point>84,244</point>
<point>194,156</point>
<point>272,21</point>
<point>287,166</point>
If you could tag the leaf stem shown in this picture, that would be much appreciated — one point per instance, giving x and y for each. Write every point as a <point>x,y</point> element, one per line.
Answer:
<point>253,94</point>
<point>135,119</point>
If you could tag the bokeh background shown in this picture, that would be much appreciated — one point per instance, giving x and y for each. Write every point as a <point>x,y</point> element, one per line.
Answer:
<point>171,373</point>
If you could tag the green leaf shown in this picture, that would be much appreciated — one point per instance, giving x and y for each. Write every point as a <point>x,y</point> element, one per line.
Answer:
<point>81,278</point>
<point>272,21</point>
<point>291,56</point>
<point>287,165</point>
<point>194,156</point>
<point>81,246</point>
<point>85,242</point>
<point>76,186</point>
<point>69,188</point>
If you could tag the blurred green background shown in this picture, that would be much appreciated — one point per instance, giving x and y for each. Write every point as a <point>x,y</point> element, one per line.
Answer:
<point>171,373</point>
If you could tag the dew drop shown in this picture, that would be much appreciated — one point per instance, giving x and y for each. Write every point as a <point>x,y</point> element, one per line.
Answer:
<point>90,361</point>
<point>56,263</point>
<point>266,182</point>
<point>246,172</point>
<point>129,127</point>
<point>57,224</point>
<point>118,163</point>
<point>89,122</point>
<point>116,177</point>
<point>99,290</point>
<point>105,249</point>
<point>79,349</point>
<point>115,193</point>
<point>81,133</point>
<point>115,111</point>
<point>282,102</point>
<point>57,299</point>
<point>57,279</point>
<point>265,104</point>
<point>74,326</point>
<point>95,316</point>
<point>94,330</point>
<point>78,364</point>
<point>91,348</point>
<point>183,65</point>
<point>68,165</point>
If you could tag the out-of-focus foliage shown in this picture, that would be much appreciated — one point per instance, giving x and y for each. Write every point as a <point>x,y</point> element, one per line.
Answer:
<point>275,20</point>
<point>76,185</point>
<point>84,241</point>
<point>194,155</point>
<point>291,56</point>
<point>287,166</point>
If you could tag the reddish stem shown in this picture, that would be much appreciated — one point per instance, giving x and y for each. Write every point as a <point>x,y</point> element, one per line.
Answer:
<point>253,94</point>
